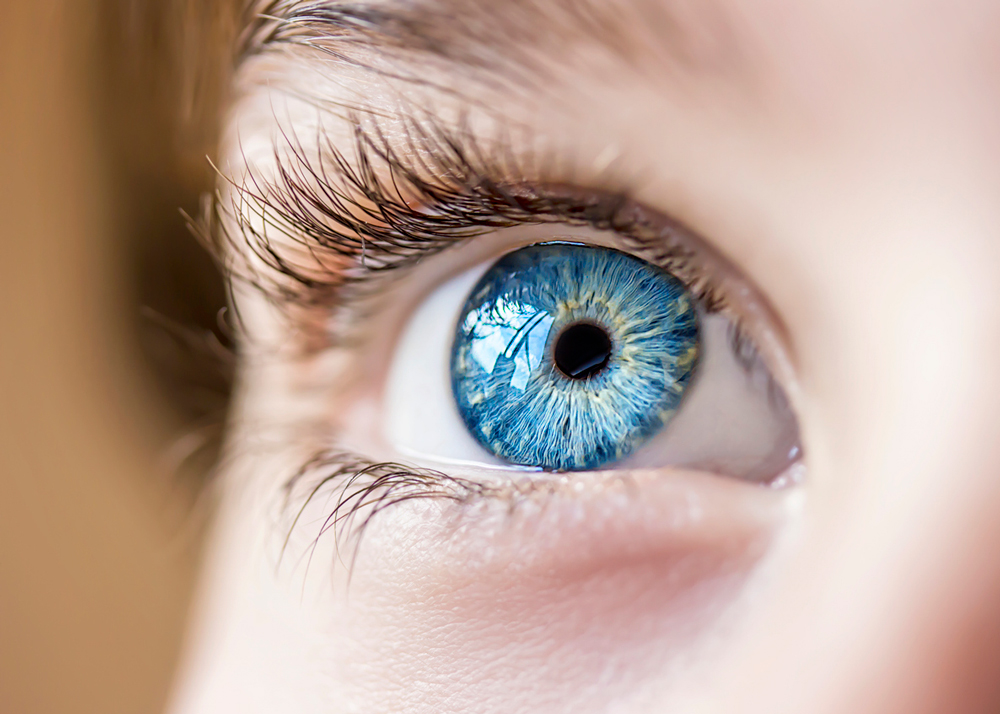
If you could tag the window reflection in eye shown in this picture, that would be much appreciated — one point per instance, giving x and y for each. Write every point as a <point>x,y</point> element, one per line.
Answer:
<point>567,356</point>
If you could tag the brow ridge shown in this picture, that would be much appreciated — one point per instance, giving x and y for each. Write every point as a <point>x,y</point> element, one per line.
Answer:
<point>512,36</point>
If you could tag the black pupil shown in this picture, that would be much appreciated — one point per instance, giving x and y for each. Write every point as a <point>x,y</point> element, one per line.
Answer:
<point>582,350</point>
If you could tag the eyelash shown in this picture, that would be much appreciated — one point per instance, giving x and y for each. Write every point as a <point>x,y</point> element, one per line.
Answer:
<point>363,486</point>
<point>361,489</point>
<point>383,213</point>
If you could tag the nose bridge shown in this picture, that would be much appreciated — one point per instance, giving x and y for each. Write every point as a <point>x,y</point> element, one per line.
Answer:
<point>888,602</point>
<point>886,598</point>
<point>909,600</point>
<point>900,610</point>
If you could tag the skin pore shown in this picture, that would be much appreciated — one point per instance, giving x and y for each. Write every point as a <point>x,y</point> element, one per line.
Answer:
<point>838,162</point>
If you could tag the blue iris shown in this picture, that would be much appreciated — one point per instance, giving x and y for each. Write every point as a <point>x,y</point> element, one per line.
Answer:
<point>568,357</point>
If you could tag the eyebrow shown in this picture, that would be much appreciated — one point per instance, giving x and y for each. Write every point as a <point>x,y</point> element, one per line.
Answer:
<point>514,36</point>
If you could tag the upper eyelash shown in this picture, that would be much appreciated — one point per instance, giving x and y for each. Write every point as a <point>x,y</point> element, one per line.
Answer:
<point>391,207</point>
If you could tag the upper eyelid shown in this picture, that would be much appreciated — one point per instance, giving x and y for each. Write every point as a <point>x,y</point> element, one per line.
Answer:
<point>318,256</point>
<point>383,210</point>
<point>506,197</point>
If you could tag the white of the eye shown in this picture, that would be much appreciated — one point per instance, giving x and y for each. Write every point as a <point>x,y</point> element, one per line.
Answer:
<point>421,419</point>
<point>728,422</point>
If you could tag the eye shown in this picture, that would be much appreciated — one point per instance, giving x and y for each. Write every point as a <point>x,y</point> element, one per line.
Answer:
<point>568,356</point>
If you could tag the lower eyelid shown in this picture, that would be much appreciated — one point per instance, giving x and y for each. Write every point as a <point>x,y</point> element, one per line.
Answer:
<point>668,533</point>
<point>340,495</point>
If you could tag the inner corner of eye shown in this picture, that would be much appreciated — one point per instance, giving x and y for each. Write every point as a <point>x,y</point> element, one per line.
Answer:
<point>565,356</point>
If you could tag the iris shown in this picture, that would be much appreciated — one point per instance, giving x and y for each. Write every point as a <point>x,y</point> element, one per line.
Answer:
<point>568,357</point>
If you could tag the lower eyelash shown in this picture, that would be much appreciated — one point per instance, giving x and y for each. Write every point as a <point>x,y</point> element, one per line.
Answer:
<point>362,488</point>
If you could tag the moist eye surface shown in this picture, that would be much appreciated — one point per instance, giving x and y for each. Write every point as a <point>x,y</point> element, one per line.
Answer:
<point>569,357</point>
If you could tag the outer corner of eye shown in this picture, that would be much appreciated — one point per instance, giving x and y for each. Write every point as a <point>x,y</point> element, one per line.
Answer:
<point>573,357</point>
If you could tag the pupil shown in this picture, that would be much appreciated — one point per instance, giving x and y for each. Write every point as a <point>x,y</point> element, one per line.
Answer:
<point>582,350</point>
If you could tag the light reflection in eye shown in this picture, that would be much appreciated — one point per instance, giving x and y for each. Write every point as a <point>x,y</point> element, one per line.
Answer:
<point>513,330</point>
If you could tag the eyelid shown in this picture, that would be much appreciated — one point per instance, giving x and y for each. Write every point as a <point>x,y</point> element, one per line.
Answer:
<point>382,242</point>
<point>343,493</point>
<point>394,202</point>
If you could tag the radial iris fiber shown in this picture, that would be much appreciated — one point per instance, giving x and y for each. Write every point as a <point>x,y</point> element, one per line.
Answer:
<point>514,398</point>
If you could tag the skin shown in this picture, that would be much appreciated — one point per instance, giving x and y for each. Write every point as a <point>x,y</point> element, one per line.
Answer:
<point>847,165</point>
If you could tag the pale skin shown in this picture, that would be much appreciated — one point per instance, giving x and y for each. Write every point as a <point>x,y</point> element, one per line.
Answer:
<point>844,158</point>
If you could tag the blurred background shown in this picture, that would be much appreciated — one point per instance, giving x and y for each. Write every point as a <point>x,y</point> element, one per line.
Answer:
<point>114,368</point>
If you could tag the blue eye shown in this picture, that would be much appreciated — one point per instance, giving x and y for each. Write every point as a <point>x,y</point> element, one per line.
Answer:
<point>569,357</point>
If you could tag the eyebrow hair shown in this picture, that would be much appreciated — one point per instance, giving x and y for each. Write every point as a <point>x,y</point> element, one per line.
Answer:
<point>504,35</point>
